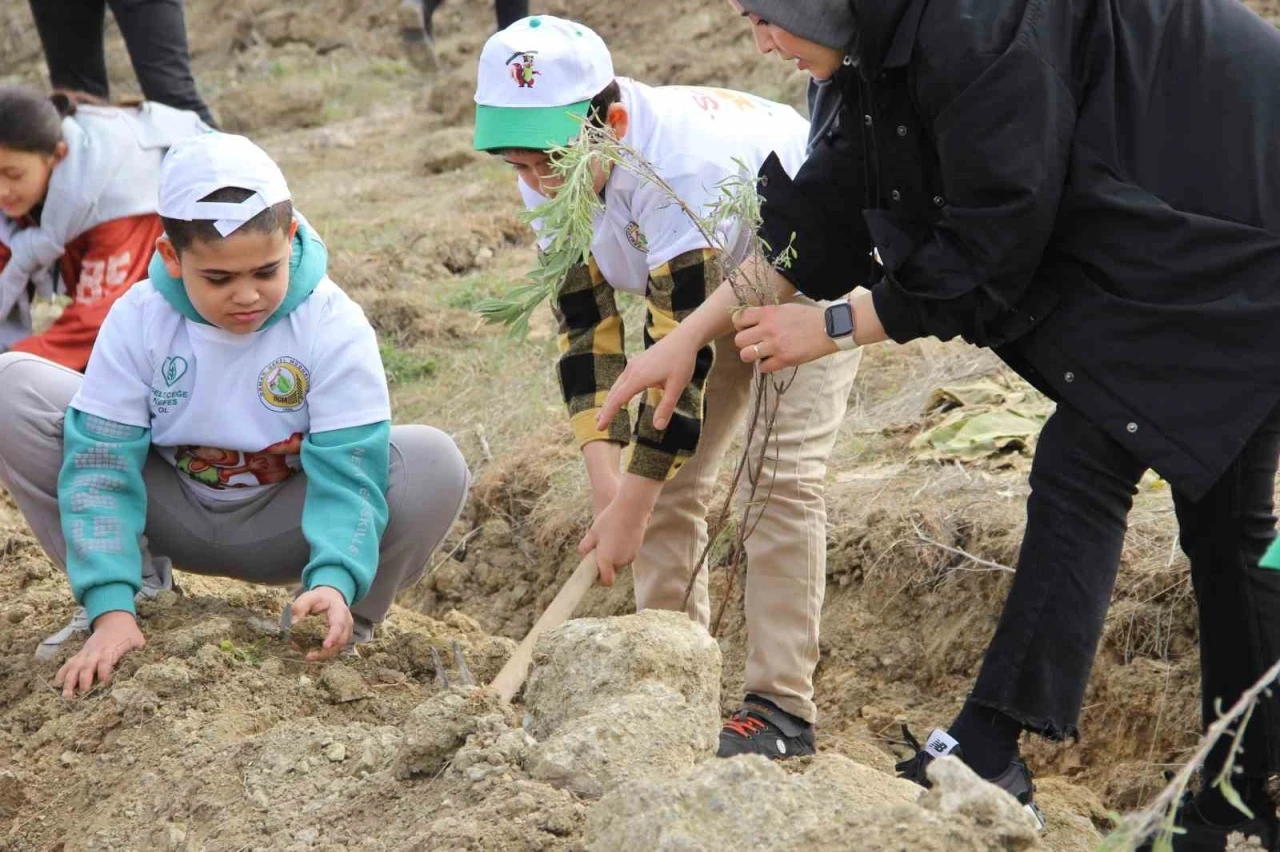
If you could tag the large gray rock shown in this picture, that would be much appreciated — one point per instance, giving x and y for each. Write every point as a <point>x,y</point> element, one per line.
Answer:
<point>611,699</point>
<point>585,663</point>
<point>836,805</point>
<point>652,730</point>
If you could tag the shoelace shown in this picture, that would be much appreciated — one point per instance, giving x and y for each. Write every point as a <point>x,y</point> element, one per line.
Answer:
<point>744,725</point>
<point>912,769</point>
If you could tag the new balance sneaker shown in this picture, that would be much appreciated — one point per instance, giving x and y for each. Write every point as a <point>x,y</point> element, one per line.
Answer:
<point>761,727</point>
<point>1015,780</point>
<point>1201,835</point>
<point>157,577</point>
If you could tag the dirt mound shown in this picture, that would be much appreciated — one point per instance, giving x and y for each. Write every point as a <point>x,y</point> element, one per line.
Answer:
<point>220,736</point>
<point>834,805</point>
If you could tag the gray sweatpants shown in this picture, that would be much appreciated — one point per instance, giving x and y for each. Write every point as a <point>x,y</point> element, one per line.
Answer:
<point>260,540</point>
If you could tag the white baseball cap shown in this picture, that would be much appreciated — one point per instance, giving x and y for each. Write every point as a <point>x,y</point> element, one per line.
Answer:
<point>537,78</point>
<point>200,165</point>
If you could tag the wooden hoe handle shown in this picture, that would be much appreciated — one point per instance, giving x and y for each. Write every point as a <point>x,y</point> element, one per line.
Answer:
<point>560,610</point>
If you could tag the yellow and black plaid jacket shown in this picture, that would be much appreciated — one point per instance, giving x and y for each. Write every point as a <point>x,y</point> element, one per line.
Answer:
<point>592,357</point>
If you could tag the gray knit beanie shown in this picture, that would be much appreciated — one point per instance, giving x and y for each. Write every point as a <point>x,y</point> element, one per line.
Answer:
<point>826,22</point>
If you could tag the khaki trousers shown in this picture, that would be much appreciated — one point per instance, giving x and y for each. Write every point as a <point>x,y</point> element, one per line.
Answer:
<point>259,540</point>
<point>787,552</point>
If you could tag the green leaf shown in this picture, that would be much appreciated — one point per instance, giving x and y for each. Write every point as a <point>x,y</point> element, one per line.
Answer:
<point>1229,793</point>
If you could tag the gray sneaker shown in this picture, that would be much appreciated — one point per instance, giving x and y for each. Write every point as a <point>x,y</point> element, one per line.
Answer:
<point>157,578</point>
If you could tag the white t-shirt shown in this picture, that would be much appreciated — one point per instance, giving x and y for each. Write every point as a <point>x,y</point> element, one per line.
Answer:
<point>230,410</point>
<point>695,138</point>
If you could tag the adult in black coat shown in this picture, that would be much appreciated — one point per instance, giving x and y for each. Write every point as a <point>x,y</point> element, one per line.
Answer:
<point>154,32</point>
<point>1092,189</point>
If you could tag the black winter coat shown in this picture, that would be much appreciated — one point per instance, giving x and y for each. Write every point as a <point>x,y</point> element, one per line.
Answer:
<point>1091,187</point>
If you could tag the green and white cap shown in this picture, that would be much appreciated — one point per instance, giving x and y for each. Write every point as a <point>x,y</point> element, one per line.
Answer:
<point>537,78</point>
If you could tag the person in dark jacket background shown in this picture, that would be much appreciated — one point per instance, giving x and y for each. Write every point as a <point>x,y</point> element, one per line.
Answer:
<point>1092,189</point>
<point>155,33</point>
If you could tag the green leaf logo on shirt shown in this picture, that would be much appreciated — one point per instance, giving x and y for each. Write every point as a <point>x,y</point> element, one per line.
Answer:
<point>281,384</point>
<point>173,369</point>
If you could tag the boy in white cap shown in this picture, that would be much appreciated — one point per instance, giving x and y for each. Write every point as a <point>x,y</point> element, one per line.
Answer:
<point>235,411</point>
<point>539,79</point>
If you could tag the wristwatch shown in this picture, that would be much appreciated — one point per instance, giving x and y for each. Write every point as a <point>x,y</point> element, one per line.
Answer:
<point>840,326</point>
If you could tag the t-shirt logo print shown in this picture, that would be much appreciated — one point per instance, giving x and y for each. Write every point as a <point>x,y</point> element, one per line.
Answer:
<point>636,237</point>
<point>282,385</point>
<point>522,70</point>
<point>173,369</point>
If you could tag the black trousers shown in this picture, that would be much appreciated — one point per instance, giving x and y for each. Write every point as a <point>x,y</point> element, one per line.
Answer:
<point>509,11</point>
<point>154,32</point>
<point>1082,486</point>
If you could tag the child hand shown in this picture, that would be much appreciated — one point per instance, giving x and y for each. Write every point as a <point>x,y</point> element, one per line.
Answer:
<point>327,601</point>
<point>114,635</point>
<point>616,537</point>
<point>668,365</point>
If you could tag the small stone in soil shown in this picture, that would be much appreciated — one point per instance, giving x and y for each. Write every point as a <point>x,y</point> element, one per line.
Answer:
<point>343,683</point>
<point>18,613</point>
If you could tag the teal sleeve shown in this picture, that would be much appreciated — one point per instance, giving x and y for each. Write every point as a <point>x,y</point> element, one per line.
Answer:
<point>1271,559</point>
<point>102,500</point>
<point>345,511</point>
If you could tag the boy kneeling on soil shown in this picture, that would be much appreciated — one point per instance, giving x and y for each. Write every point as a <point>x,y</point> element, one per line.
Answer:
<point>235,410</point>
<point>538,80</point>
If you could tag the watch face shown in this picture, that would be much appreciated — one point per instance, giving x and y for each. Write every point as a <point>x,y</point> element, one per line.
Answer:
<point>839,320</point>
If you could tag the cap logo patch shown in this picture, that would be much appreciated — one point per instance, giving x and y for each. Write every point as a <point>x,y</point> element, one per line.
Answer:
<point>522,70</point>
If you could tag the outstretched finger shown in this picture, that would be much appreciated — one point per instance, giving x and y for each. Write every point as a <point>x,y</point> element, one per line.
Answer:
<point>622,392</point>
<point>84,682</point>
<point>106,666</point>
<point>667,405</point>
<point>68,676</point>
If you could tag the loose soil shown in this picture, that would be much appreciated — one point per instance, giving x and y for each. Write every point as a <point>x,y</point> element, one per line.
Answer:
<point>220,736</point>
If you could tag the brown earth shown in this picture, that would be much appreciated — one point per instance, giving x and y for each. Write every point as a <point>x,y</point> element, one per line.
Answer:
<point>220,736</point>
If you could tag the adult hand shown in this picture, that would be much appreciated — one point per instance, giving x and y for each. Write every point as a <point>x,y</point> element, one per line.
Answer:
<point>114,635</point>
<point>329,602</point>
<point>782,336</point>
<point>668,365</point>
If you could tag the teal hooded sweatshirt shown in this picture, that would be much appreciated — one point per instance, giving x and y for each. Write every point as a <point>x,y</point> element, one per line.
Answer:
<point>102,454</point>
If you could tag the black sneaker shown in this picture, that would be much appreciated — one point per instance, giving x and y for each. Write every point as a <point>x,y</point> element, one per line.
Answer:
<point>1201,835</point>
<point>761,727</point>
<point>1015,780</point>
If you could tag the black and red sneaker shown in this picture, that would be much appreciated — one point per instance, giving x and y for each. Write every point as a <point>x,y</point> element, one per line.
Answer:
<point>761,727</point>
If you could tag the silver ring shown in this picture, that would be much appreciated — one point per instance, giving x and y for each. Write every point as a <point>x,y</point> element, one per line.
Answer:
<point>756,348</point>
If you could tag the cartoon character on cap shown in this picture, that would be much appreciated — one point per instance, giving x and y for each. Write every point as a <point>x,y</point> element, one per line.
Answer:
<point>522,71</point>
